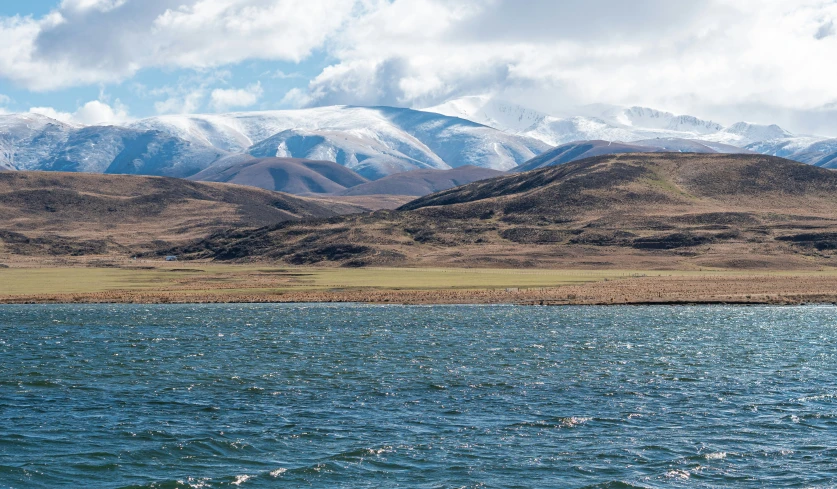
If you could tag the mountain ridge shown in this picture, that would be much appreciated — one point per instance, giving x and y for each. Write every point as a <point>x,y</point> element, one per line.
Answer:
<point>629,125</point>
<point>374,141</point>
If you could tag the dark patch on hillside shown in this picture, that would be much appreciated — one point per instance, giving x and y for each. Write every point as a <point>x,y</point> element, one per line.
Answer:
<point>820,241</point>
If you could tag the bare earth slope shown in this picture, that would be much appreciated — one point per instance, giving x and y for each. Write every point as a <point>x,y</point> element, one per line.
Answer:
<point>630,211</point>
<point>423,182</point>
<point>82,214</point>
<point>292,175</point>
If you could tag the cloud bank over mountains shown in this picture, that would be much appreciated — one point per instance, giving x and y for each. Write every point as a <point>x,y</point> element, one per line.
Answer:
<point>769,61</point>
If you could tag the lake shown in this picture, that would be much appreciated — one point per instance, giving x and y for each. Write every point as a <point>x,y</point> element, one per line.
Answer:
<point>332,396</point>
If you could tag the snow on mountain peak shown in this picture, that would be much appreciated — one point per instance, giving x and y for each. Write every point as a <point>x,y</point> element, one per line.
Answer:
<point>596,121</point>
<point>758,132</point>
<point>490,111</point>
<point>375,141</point>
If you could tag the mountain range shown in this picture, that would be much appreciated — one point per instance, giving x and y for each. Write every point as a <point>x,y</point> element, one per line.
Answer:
<point>378,142</point>
<point>635,124</point>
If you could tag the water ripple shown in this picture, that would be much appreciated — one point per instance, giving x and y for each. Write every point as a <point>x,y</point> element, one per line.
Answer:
<point>192,396</point>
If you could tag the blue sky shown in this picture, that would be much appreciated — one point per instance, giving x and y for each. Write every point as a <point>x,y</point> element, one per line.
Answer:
<point>108,61</point>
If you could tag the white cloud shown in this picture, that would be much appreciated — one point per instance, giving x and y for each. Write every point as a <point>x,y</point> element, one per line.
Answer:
<point>281,75</point>
<point>94,112</point>
<point>100,113</point>
<point>187,103</point>
<point>53,114</point>
<point>296,98</point>
<point>100,5</point>
<point>691,57</point>
<point>225,99</point>
<point>102,41</point>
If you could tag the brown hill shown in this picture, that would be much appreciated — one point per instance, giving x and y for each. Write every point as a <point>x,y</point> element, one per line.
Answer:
<point>580,150</point>
<point>629,211</point>
<point>79,214</point>
<point>423,182</point>
<point>291,175</point>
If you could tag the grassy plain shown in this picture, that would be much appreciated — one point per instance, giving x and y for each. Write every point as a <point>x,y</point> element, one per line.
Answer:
<point>62,280</point>
<point>208,282</point>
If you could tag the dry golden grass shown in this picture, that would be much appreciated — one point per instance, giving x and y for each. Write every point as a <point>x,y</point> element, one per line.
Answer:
<point>72,213</point>
<point>636,211</point>
<point>207,282</point>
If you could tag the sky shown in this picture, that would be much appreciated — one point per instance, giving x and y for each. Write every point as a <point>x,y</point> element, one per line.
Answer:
<point>111,61</point>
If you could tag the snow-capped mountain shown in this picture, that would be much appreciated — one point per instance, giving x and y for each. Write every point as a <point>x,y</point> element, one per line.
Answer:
<point>592,122</point>
<point>374,141</point>
<point>643,118</point>
<point>378,141</point>
<point>600,122</point>
<point>491,112</point>
<point>36,142</point>
<point>26,139</point>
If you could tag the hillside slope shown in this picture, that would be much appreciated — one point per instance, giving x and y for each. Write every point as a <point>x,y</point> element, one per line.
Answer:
<point>291,175</point>
<point>78,214</point>
<point>579,150</point>
<point>631,211</point>
<point>423,182</point>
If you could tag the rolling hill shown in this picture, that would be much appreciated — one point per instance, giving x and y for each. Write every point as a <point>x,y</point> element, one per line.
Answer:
<point>580,150</point>
<point>291,175</point>
<point>629,211</point>
<point>418,183</point>
<point>55,213</point>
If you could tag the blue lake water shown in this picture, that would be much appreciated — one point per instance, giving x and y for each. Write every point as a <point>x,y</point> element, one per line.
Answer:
<point>417,397</point>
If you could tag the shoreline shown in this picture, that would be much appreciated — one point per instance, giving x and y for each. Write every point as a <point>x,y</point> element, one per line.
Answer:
<point>685,302</point>
<point>553,297</point>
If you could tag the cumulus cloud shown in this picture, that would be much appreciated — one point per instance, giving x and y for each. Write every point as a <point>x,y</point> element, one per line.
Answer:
<point>93,41</point>
<point>53,114</point>
<point>186,103</point>
<point>97,112</point>
<point>225,99</point>
<point>94,112</point>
